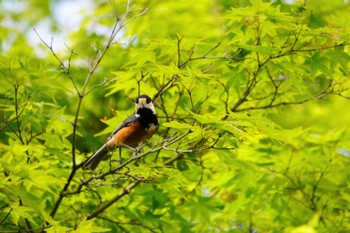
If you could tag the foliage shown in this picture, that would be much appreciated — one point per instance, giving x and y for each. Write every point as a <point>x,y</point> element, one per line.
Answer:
<point>252,98</point>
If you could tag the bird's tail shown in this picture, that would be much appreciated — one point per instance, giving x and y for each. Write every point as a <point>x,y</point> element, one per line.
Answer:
<point>96,158</point>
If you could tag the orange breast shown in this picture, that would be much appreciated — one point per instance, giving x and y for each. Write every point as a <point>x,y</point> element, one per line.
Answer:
<point>131,135</point>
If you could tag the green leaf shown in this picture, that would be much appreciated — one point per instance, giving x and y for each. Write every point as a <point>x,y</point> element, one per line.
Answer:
<point>88,226</point>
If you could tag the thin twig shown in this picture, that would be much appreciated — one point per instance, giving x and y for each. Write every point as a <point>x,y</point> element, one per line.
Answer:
<point>105,205</point>
<point>321,95</point>
<point>62,65</point>
<point>204,56</point>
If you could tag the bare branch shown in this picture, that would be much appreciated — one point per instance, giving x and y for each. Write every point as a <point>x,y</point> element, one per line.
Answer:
<point>179,39</point>
<point>104,206</point>
<point>105,82</point>
<point>165,86</point>
<point>204,56</point>
<point>324,93</point>
<point>62,65</point>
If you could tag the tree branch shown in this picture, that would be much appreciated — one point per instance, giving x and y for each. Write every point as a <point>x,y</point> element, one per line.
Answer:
<point>101,208</point>
<point>321,95</point>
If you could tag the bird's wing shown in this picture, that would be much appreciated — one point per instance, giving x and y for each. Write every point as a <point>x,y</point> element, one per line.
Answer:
<point>132,118</point>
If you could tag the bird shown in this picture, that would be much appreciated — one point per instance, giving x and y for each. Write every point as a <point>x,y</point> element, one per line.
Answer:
<point>133,131</point>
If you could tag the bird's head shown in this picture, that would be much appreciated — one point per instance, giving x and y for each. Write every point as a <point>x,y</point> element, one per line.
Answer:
<point>144,103</point>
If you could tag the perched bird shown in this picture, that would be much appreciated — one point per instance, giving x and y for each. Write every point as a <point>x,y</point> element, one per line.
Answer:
<point>133,131</point>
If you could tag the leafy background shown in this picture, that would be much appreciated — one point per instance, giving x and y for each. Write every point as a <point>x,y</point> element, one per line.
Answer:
<point>252,98</point>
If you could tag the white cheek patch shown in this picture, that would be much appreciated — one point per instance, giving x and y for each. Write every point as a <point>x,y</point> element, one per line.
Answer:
<point>151,106</point>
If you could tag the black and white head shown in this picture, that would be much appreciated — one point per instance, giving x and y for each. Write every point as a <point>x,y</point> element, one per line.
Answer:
<point>144,104</point>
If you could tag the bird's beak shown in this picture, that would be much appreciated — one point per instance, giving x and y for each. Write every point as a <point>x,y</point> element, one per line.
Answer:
<point>142,106</point>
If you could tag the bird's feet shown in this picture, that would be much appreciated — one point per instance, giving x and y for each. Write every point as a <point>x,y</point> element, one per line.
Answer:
<point>136,150</point>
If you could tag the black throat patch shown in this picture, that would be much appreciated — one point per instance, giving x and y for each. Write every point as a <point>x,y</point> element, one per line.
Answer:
<point>147,117</point>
